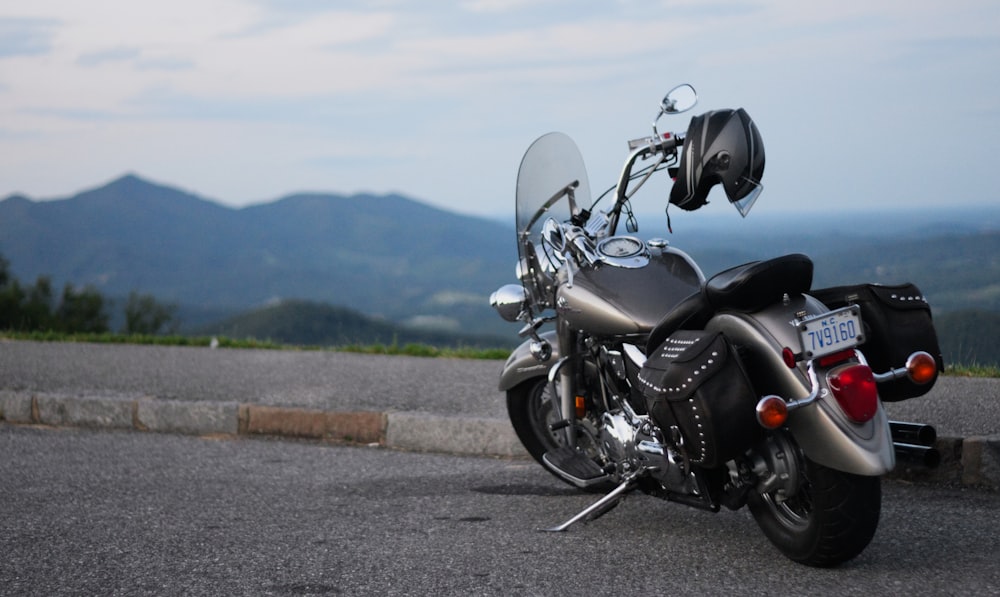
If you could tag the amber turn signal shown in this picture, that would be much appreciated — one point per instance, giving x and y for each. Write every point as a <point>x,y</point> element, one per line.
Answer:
<point>921,367</point>
<point>772,412</point>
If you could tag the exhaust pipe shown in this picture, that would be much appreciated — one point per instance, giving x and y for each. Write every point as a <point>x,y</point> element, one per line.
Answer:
<point>913,433</point>
<point>915,442</point>
<point>923,455</point>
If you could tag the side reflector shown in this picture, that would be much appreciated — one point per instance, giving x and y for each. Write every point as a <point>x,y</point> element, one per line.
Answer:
<point>788,356</point>
<point>581,407</point>
<point>921,367</point>
<point>855,391</point>
<point>772,412</point>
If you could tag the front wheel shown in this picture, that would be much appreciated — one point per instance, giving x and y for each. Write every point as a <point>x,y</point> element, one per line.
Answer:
<point>831,518</point>
<point>532,409</point>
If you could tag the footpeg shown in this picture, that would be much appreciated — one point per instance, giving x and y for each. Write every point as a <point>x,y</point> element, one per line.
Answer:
<point>574,467</point>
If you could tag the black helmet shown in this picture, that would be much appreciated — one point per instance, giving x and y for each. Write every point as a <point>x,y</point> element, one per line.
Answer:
<point>725,147</point>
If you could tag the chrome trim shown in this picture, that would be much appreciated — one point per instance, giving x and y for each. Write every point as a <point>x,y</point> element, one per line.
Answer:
<point>638,259</point>
<point>899,372</point>
<point>813,396</point>
<point>557,367</point>
<point>634,354</point>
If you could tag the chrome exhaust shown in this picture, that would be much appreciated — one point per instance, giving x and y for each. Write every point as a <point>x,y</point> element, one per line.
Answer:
<point>914,442</point>
<point>913,433</point>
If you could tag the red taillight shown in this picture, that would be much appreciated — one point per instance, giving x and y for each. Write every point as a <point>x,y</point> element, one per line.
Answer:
<point>837,357</point>
<point>855,391</point>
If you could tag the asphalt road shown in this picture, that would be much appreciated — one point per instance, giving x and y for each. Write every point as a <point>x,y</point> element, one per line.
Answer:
<point>322,380</point>
<point>132,513</point>
<point>957,407</point>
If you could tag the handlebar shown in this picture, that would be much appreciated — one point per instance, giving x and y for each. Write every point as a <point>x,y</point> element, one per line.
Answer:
<point>657,143</point>
<point>665,145</point>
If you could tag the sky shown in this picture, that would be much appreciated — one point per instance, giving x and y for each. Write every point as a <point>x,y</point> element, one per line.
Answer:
<point>861,104</point>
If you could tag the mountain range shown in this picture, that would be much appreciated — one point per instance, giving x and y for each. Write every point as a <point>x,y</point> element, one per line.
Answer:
<point>387,256</point>
<point>399,261</point>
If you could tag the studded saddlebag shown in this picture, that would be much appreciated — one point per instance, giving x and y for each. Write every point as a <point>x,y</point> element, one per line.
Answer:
<point>897,322</point>
<point>696,382</point>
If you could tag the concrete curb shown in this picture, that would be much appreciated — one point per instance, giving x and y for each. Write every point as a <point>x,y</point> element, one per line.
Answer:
<point>404,431</point>
<point>971,461</point>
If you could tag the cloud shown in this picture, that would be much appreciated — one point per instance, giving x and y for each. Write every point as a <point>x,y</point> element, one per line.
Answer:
<point>118,54</point>
<point>436,98</point>
<point>25,36</point>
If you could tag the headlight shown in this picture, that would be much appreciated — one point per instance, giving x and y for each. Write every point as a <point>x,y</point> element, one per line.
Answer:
<point>510,301</point>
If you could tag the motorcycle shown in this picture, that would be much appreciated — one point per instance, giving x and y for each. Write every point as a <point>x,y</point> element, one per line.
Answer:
<point>748,388</point>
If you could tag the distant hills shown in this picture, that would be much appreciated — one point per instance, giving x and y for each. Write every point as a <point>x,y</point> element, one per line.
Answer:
<point>403,266</point>
<point>386,256</point>
<point>316,324</point>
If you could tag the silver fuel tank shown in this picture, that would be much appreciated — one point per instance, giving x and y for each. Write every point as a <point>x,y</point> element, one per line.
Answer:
<point>628,298</point>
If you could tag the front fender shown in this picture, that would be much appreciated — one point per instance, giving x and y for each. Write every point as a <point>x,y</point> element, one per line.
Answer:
<point>521,365</point>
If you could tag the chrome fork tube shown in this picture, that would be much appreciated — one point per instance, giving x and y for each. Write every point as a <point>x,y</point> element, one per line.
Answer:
<point>567,381</point>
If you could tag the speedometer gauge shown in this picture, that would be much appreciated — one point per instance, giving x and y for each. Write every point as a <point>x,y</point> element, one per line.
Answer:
<point>621,246</point>
<point>623,251</point>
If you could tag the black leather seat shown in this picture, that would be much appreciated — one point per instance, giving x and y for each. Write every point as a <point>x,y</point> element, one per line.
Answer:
<point>752,286</point>
<point>746,288</point>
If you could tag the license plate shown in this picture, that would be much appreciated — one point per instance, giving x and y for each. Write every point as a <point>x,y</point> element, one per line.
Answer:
<point>831,332</point>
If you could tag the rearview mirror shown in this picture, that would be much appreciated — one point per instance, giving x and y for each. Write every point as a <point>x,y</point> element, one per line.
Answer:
<point>679,99</point>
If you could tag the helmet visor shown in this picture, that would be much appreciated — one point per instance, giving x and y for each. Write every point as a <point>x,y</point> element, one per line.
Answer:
<point>746,203</point>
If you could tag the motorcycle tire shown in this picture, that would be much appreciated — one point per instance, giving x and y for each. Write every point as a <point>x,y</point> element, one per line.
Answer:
<point>830,521</point>
<point>531,410</point>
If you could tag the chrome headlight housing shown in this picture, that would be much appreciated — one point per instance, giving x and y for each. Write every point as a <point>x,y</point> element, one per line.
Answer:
<point>510,301</point>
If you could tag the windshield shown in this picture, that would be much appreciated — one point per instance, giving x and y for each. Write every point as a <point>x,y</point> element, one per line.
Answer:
<point>549,169</point>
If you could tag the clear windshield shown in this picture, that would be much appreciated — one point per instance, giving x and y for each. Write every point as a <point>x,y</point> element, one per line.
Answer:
<point>548,170</point>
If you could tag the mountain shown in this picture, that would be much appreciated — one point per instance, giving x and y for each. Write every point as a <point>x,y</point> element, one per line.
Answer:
<point>398,261</point>
<point>386,256</point>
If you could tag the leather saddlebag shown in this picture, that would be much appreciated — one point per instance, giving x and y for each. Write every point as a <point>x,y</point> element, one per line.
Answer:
<point>696,382</point>
<point>897,321</point>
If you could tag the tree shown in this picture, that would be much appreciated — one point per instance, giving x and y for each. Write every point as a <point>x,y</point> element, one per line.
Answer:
<point>81,311</point>
<point>11,296</point>
<point>36,306</point>
<point>144,315</point>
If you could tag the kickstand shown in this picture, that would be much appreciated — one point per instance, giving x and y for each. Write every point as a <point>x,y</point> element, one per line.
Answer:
<point>598,508</point>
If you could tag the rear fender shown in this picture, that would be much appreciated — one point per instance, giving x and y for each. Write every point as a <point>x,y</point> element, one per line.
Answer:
<point>522,366</point>
<point>821,429</point>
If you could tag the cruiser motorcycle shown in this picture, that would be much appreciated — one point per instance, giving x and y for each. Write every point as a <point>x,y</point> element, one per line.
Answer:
<point>748,388</point>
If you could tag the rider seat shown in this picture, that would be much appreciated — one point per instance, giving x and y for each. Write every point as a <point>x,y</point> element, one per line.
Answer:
<point>745,288</point>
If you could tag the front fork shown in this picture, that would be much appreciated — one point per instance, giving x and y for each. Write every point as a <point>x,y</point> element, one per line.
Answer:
<point>565,371</point>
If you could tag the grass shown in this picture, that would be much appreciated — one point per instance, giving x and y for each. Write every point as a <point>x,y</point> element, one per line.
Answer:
<point>972,370</point>
<point>413,350</point>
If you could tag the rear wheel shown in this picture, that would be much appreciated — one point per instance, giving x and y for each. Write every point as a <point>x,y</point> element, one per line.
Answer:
<point>831,518</point>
